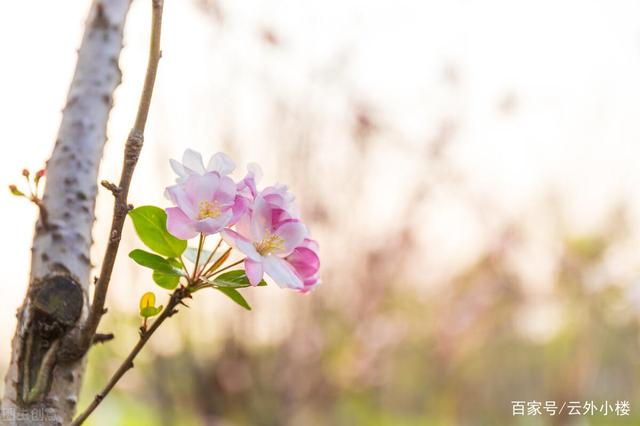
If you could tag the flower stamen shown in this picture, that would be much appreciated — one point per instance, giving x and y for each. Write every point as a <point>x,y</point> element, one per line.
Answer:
<point>269,244</point>
<point>208,209</point>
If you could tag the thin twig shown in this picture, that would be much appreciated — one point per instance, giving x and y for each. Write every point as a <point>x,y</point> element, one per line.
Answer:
<point>102,337</point>
<point>115,189</point>
<point>120,210</point>
<point>44,215</point>
<point>127,364</point>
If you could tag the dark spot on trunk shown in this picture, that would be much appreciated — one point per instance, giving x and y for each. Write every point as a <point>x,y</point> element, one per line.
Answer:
<point>59,300</point>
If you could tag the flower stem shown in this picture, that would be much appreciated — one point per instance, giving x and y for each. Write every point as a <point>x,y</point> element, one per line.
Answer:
<point>195,268</point>
<point>184,267</point>
<point>204,265</point>
<point>223,258</point>
<point>227,267</point>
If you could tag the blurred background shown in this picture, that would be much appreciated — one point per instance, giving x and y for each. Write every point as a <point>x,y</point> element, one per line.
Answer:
<point>468,167</point>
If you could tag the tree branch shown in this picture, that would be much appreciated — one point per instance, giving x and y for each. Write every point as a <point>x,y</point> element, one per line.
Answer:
<point>127,364</point>
<point>132,152</point>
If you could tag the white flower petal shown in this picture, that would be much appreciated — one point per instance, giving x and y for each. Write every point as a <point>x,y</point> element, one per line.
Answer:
<point>221,163</point>
<point>281,272</point>
<point>192,160</point>
<point>178,168</point>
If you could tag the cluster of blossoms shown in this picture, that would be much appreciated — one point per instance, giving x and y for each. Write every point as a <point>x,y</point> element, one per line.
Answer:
<point>264,225</point>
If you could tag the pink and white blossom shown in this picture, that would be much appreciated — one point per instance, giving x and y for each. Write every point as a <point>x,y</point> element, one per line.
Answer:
<point>267,234</point>
<point>266,224</point>
<point>204,204</point>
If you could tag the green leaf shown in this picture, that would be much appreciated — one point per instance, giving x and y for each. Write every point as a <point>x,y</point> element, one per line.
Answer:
<point>150,223</point>
<point>233,279</point>
<point>168,281</point>
<point>155,262</point>
<point>235,295</point>
<point>150,311</point>
<point>166,272</point>
<point>175,263</point>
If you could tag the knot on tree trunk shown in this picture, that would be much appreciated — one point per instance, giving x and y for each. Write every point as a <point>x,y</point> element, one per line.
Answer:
<point>56,305</point>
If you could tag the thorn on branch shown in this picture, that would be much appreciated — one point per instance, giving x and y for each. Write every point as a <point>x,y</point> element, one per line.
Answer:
<point>102,337</point>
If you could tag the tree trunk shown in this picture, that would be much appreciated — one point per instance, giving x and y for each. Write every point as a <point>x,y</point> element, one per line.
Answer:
<point>41,387</point>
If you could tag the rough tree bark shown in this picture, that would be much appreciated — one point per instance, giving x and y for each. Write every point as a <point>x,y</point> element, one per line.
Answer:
<point>40,386</point>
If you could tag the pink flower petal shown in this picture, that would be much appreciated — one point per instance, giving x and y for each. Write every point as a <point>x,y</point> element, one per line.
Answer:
<point>254,271</point>
<point>281,272</point>
<point>293,232</point>
<point>179,225</point>
<point>240,207</point>
<point>248,185</point>
<point>211,225</point>
<point>239,242</point>
<point>260,220</point>
<point>243,226</point>
<point>311,244</point>
<point>180,198</point>
<point>226,191</point>
<point>305,261</point>
<point>202,188</point>
<point>311,282</point>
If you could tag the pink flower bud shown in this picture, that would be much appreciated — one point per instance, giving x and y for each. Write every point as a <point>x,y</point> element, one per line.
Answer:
<point>39,174</point>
